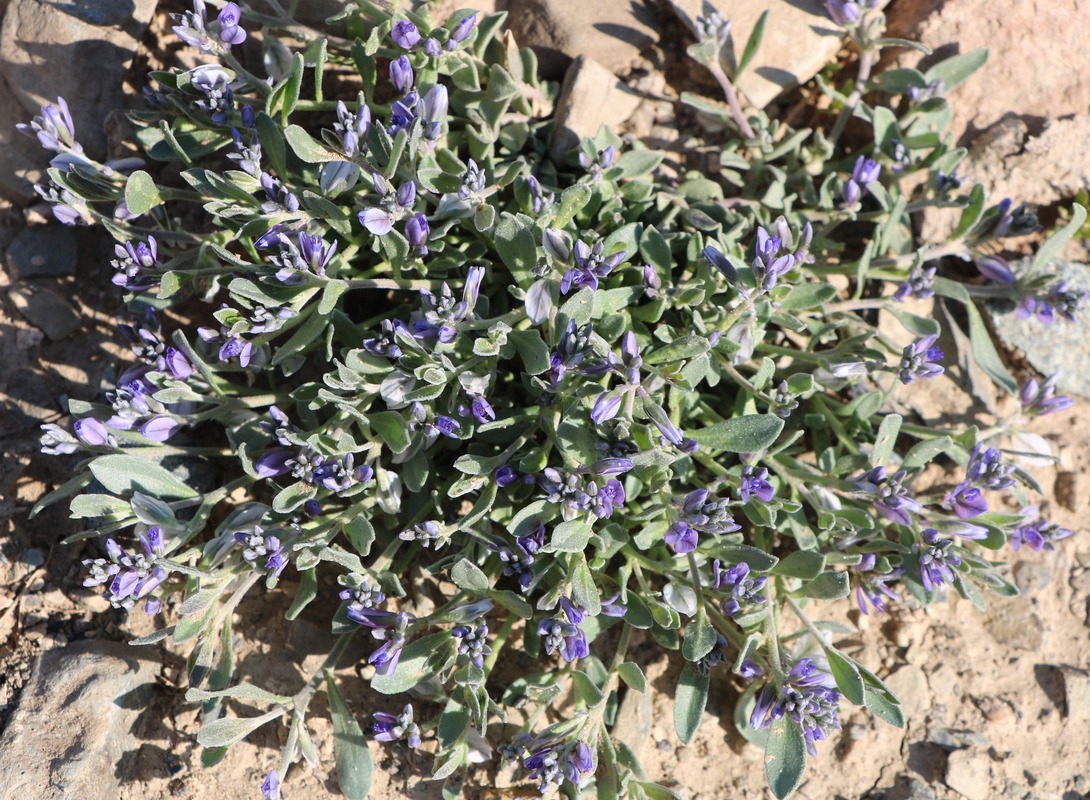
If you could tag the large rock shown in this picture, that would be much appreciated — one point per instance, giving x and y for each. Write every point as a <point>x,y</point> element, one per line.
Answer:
<point>614,32</point>
<point>799,40</point>
<point>22,160</point>
<point>77,49</point>
<point>1058,347</point>
<point>74,722</point>
<point>590,98</point>
<point>1039,67</point>
<point>43,251</point>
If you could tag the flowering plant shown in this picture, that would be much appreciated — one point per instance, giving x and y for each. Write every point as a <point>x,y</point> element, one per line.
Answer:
<point>512,404</point>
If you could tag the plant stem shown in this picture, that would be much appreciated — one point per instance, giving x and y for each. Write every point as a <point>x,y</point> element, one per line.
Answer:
<point>866,64</point>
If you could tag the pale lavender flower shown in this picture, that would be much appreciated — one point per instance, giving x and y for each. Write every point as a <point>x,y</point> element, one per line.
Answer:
<point>230,30</point>
<point>460,32</point>
<point>754,483</point>
<point>919,360</point>
<point>54,128</point>
<point>870,586</point>
<point>920,284</point>
<point>1040,399</point>
<point>388,728</point>
<point>591,265</point>
<point>937,560</point>
<point>865,172</point>
<point>417,232</point>
<point>808,698</point>
<point>405,34</point>
<point>844,12</point>
<point>995,269</point>
<point>401,75</point>
<point>270,789</point>
<point>743,592</point>
<point>473,643</point>
<point>1037,533</point>
<point>986,467</point>
<point>130,576</point>
<point>892,499</point>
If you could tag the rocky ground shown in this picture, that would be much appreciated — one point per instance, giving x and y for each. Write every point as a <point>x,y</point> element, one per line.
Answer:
<point>999,701</point>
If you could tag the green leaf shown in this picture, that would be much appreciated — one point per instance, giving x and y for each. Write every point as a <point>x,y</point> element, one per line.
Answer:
<point>413,665</point>
<point>700,638</point>
<point>956,69</point>
<point>1052,246</point>
<point>971,215</point>
<point>584,590</point>
<point>634,163</point>
<point>99,505</point>
<point>122,473</point>
<point>846,675</point>
<point>516,246</point>
<point>807,295</point>
<point>679,349</point>
<point>532,350</point>
<point>469,577</point>
<point>243,691</point>
<point>225,732</point>
<point>785,757</point>
<point>753,44</point>
<point>984,352</point>
<point>569,537</point>
<point>899,81</point>
<point>827,586</point>
<point>360,533</point>
<point>632,675</point>
<point>924,452</point>
<point>886,439</point>
<point>689,702</point>
<point>748,434</point>
<point>307,148</point>
<point>272,142</point>
<point>350,751</point>
<point>390,425</point>
<point>141,193</point>
<point>307,591</point>
<point>804,564</point>
<point>879,699</point>
<point>512,602</point>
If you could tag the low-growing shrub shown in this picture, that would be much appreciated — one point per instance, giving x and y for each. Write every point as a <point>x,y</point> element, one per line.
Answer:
<point>512,404</point>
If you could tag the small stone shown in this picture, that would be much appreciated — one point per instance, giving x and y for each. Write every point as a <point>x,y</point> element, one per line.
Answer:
<point>43,251</point>
<point>33,557</point>
<point>1032,575</point>
<point>967,774</point>
<point>615,32</point>
<point>1071,489</point>
<point>1012,622</point>
<point>909,684</point>
<point>47,310</point>
<point>590,98</point>
<point>955,738</point>
<point>1076,694</point>
<point>74,721</point>
<point>918,790</point>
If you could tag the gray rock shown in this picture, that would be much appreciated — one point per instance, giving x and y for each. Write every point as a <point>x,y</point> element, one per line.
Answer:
<point>799,40</point>
<point>909,683</point>
<point>1012,622</point>
<point>22,160</point>
<point>967,773</point>
<point>43,251</point>
<point>1077,694</point>
<point>74,719</point>
<point>1032,575</point>
<point>614,32</point>
<point>77,49</point>
<point>47,310</point>
<point>1059,347</point>
<point>590,98</point>
<point>955,738</point>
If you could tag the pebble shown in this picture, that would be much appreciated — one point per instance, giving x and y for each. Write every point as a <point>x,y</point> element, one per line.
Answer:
<point>590,98</point>
<point>43,251</point>
<point>1076,694</point>
<point>46,310</point>
<point>33,557</point>
<point>955,738</point>
<point>909,683</point>
<point>967,773</point>
<point>1032,575</point>
<point>1013,623</point>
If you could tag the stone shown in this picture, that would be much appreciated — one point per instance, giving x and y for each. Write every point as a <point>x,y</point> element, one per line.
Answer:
<point>22,160</point>
<point>1076,694</point>
<point>47,310</point>
<point>1059,347</point>
<point>799,41</point>
<point>1013,623</point>
<point>43,251</point>
<point>47,49</point>
<point>955,738</point>
<point>967,774</point>
<point>1032,575</point>
<point>1039,66</point>
<point>614,32</point>
<point>909,684</point>
<point>73,722</point>
<point>590,98</point>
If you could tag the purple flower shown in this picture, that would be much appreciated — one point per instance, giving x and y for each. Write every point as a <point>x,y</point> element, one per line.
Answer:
<point>966,501</point>
<point>417,232</point>
<point>920,284</point>
<point>612,607</point>
<point>892,498</point>
<point>505,476</point>
<point>590,266</point>
<point>352,128</point>
<point>92,432</point>
<point>1040,399</point>
<point>681,538</point>
<point>936,559</point>
<point>995,269</point>
<point>385,344</point>
<point>844,12</point>
<point>388,728</point>
<point>270,789</point>
<point>230,32</point>
<point>1037,533</point>
<point>274,461</point>
<point>433,48</point>
<point>482,410</point>
<point>473,644</point>
<point>754,483</point>
<point>750,669</point>
<point>405,35</point>
<point>808,698</point>
<point>54,128</point>
<point>743,592</point>
<point>130,576</point>
<point>551,762</point>
<point>606,407</point>
<point>870,586</point>
<point>919,360</point>
<point>160,428</point>
<point>986,467</point>
<point>460,32</point>
<point>865,172</point>
<point>401,75</point>
<point>394,637</point>
<point>130,262</point>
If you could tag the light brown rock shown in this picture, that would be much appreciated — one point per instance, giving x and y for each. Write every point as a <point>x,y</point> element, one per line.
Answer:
<point>590,98</point>
<point>45,310</point>
<point>799,40</point>
<point>22,160</point>
<point>74,722</point>
<point>967,774</point>
<point>613,32</point>
<point>76,49</point>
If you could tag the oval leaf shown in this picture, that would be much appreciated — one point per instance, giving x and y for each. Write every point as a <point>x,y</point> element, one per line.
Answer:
<point>749,434</point>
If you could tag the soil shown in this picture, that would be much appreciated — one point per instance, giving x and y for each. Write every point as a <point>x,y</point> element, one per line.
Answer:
<point>985,692</point>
